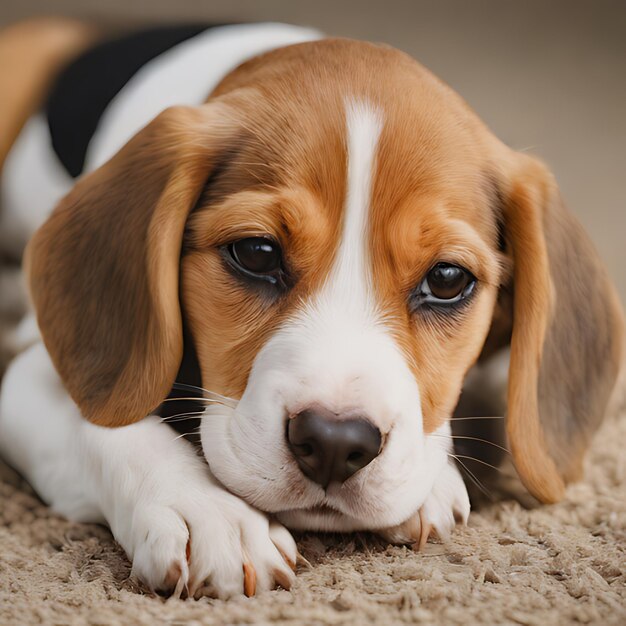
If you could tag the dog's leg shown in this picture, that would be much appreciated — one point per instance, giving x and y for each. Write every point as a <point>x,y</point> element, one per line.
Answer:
<point>177,525</point>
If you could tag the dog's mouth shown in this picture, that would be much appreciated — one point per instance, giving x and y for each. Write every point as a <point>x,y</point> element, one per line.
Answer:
<point>322,517</point>
<point>321,509</point>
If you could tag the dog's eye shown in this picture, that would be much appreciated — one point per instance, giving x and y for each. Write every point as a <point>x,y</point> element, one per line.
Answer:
<point>259,256</point>
<point>446,284</point>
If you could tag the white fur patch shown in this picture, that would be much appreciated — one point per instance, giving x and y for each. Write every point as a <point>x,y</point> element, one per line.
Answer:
<point>32,182</point>
<point>349,283</point>
<point>343,317</point>
<point>185,74</point>
<point>148,485</point>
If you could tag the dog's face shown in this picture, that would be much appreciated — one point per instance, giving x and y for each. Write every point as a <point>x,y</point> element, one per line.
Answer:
<point>352,272</point>
<point>340,233</point>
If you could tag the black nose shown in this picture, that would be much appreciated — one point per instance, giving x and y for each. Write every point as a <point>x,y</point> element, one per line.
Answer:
<point>329,448</point>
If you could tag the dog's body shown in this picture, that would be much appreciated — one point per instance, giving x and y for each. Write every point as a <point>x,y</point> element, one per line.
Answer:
<point>348,239</point>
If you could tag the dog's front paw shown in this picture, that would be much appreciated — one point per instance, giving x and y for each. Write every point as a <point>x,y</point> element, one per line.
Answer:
<point>211,544</point>
<point>446,505</point>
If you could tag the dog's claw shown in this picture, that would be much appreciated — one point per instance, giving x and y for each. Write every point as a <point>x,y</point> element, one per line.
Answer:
<point>425,531</point>
<point>290,562</point>
<point>282,579</point>
<point>249,579</point>
<point>416,532</point>
<point>300,560</point>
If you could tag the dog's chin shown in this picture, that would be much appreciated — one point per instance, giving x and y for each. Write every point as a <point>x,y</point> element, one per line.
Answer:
<point>321,518</point>
<point>310,509</point>
<point>346,508</point>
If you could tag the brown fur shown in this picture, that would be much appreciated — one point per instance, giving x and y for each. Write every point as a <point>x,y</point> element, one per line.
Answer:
<point>567,338</point>
<point>104,268</point>
<point>268,155</point>
<point>31,53</point>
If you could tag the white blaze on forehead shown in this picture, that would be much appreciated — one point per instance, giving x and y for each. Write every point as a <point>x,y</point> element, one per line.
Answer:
<point>347,352</point>
<point>351,272</point>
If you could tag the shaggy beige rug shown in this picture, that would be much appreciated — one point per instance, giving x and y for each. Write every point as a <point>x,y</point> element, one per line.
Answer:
<point>557,564</point>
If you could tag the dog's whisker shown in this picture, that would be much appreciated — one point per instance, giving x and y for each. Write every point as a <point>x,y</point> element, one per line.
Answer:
<point>181,417</point>
<point>474,480</point>
<point>491,443</point>
<point>195,431</point>
<point>472,477</point>
<point>528,148</point>
<point>182,386</point>
<point>195,399</point>
<point>487,417</point>
<point>471,458</point>
<point>200,414</point>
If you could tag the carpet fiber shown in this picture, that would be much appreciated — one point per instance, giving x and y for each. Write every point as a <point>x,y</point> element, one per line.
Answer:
<point>556,564</point>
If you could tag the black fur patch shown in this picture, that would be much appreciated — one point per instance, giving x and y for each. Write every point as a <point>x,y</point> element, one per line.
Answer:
<point>84,89</point>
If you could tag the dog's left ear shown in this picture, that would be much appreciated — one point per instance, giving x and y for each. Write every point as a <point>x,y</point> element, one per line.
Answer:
<point>567,330</point>
<point>104,269</point>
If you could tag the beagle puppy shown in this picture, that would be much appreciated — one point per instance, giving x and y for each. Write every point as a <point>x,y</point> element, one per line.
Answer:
<point>331,238</point>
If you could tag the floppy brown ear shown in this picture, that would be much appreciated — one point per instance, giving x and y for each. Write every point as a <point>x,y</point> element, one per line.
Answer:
<point>104,268</point>
<point>567,334</point>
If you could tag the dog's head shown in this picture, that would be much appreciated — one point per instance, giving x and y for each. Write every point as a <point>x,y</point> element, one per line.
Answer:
<point>343,238</point>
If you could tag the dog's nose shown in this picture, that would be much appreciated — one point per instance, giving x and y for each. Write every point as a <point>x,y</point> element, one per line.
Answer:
<point>331,449</point>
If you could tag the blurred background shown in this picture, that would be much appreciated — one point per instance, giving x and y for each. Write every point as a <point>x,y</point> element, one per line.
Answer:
<point>547,77</point>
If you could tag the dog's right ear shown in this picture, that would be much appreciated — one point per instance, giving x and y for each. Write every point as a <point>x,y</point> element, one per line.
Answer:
<point>104,269</point>
<point>566,325</point>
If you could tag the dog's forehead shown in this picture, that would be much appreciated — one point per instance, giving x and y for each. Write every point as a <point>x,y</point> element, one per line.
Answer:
<point>431,148</point>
